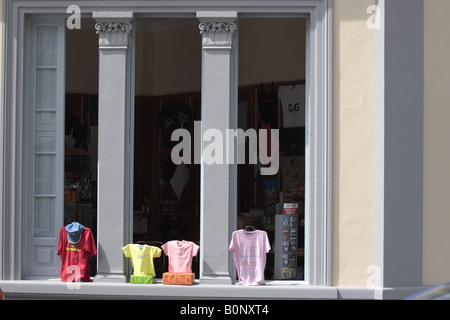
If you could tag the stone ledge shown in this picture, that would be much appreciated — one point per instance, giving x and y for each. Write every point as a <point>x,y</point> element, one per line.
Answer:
<point>55,289</point>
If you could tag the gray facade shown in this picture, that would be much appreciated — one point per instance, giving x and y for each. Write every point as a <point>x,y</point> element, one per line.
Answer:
<point>398,151</point>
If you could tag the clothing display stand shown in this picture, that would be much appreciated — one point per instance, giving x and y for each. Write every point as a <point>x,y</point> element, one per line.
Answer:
<point>179,278</point>
<point>136,279</point>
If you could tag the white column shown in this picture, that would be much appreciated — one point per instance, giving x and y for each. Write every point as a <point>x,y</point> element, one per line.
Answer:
<point>114,30</point>
<point>218,104</point>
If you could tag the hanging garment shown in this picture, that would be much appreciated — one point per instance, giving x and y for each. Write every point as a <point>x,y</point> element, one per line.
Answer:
<point>293,173</point>
<point>141,257</point>
<point>249,250</point>
<point>93,111</point>
<point>268,103</point>
<point>180,254</point>
<point>293,105</point>
<point>293,141</point>
<point>73,127</point>
<point>76,245</point>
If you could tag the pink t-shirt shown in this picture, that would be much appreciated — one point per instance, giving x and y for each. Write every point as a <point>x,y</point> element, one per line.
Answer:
<point>180,255</point>
<point>249,249</point>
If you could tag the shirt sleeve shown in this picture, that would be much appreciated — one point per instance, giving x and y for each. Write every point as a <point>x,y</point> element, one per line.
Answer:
<point>281,93</point>
<point>60,242</point>
<point>267,242</point>
<point>126,251</point>
<point>156,252</point>
<point>231,247</point>
<point>165,247</point>
<point>195,249</point>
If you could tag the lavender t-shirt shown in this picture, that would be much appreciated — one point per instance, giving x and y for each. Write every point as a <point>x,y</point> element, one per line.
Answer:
<point>249,250</point>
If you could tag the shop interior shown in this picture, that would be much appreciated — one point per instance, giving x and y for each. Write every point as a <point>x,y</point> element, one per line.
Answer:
<point>168,77</point>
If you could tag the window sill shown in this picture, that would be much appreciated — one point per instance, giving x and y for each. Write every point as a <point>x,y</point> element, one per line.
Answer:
<point>49,289</point>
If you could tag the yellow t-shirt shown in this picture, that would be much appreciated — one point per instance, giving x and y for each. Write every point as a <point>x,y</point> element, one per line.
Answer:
<point>142,258</point>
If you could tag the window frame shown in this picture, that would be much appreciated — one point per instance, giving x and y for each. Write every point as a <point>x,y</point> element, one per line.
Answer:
<point>319,137</point>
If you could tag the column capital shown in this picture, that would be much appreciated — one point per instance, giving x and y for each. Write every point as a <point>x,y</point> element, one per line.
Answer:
<point>113,28</point>
<point>217,28</point>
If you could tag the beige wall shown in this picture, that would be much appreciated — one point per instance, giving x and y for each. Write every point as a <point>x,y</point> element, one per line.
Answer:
<point>353,143</point>
<point>353,105</point>
<point>436,208</point>
<point>353,133</point>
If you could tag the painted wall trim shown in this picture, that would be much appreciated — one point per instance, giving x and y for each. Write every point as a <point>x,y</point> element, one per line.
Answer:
<point>399,143</point>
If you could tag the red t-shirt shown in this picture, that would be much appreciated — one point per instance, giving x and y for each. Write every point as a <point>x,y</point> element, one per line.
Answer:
<point>74,256</point>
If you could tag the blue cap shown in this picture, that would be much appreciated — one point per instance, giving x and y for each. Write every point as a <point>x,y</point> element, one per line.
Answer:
<point>74,231</point>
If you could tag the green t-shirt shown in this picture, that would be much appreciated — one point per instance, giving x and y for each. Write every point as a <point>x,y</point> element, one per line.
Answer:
<point>142,258</point>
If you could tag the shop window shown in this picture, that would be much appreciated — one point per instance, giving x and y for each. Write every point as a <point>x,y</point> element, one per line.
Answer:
<point>272,97</point>
<point>248,197</point>
<point>167,97</point>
